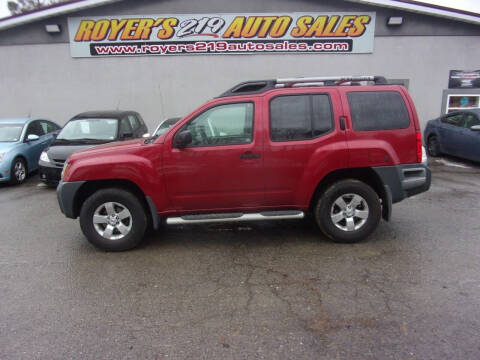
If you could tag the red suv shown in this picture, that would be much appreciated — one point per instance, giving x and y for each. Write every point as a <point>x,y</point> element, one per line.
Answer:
<point>342,148</point>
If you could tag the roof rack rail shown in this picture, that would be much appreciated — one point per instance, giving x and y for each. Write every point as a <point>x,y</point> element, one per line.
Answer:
<point>329,80</point>
<point>260,86</point>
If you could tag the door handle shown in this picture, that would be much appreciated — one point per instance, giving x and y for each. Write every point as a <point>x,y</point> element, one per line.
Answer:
<point>249,155</point>
<point>342,122</point>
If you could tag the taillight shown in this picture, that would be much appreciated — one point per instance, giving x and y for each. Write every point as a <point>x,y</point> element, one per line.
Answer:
<point>419,147</point>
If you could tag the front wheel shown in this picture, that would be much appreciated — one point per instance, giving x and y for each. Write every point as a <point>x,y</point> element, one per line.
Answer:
<point>18,172</point>
<point>348,211</point>
<point>113,219</point>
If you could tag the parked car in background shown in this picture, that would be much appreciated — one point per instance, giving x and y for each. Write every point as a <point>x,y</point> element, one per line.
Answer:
<point>84,131</point>
<point>456,133</point>
<point>165,125</point>
<point>21,143</point>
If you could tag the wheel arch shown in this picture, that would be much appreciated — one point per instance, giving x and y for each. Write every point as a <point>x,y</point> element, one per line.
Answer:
<point>365,175</point>
<point>90,187</point>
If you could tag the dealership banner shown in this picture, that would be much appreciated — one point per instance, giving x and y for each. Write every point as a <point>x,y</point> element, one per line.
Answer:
<point>128,35</point>
<point>464,79</point>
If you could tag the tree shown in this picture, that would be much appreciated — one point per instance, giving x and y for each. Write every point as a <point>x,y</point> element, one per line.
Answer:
<point>23,6</point>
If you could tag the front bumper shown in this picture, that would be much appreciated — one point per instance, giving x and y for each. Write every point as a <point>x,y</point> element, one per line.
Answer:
<point>49,174</point>
<point>66,194</point>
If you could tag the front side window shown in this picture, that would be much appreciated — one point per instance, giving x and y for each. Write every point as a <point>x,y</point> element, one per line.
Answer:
<point>378,110</point>
<point>35,128</point>
<point>89,129</point>
<point>230,124</point>
<point>300,117</point>
<point>10,132</point>
<point>455,120</point>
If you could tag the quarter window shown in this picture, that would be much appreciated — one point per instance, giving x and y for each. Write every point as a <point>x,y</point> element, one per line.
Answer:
<point>378,110</point>
<point>133,122</point>
<point>300,117</point>
<point>229,124</point>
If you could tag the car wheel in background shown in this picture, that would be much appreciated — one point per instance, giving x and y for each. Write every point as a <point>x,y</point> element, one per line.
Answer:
<point>113,219</point>
<point>348,211</point>
<point>433,147</point>
<point>18,172</point>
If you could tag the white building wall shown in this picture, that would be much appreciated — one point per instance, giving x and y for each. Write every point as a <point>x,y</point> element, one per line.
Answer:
<point>44,81</point>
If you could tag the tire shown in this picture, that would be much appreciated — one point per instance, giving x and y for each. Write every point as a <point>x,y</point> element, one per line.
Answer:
<point>348,211</point>
<point>433,147</point>
<point>18,172</point>
<point>113,219</point>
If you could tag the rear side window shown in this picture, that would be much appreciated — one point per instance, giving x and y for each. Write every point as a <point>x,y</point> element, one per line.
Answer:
<point>378,110</point>
<point>300,117</point>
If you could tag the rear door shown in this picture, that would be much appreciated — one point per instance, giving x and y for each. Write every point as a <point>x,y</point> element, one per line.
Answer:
<point>301,143</point>
<point>222,168</point>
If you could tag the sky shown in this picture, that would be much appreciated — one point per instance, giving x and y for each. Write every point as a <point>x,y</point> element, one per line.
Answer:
<point>469,5</point>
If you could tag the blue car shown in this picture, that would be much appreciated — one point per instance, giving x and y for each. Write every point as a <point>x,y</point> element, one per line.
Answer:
<point>456,133</point>
<point>21,143</point>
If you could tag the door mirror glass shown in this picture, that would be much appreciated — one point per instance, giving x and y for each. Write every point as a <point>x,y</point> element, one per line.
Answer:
<point>146,135</point>
<point>32,137</point>
<point>183,138</point>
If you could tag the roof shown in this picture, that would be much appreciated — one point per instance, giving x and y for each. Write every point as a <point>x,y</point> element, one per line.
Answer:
<point>405,5</point>
<point>424,8</point>
<point>106,114</point>
<point>16,120</point>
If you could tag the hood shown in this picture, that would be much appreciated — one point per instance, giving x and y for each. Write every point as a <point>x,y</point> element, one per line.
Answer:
<point>62,152</point>
<point>7,146</point>
<point>114,147</point>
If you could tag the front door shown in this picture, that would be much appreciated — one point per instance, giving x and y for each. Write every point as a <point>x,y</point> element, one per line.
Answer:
<point>222,169</point>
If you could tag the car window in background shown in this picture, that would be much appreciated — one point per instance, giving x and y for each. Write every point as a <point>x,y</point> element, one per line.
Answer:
<point>133,122</point>
<point>48,127</point>
<point>10,132</point>
<point>164,126</point>
<point>471,120</point>
<point>97,129</point>
<point>455,120</point>
<point>35,128</point>
<point>125,127</point>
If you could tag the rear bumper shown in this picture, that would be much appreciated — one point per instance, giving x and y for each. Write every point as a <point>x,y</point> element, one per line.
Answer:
<point>406,180</point>
<point>66,192</point>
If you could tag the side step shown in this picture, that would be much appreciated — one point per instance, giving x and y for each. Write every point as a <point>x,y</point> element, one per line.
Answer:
<point>235,217</point>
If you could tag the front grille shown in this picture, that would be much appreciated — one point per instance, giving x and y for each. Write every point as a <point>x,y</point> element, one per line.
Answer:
<point>58,162</point>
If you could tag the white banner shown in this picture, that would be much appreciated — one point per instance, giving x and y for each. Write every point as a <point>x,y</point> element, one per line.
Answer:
<point>138,35</point>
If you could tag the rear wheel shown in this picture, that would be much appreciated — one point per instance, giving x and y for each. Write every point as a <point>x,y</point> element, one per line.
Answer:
<point>113,219</point>
<point>348,211</point>
<point>18,172</point>
<point>433,146</point>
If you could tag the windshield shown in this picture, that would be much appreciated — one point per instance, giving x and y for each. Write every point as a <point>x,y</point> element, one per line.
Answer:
<point>167,124</point>
<point>10,132</point>
<point>89,129</point>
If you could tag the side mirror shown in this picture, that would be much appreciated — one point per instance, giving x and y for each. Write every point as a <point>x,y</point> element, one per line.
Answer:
<point>183,138</point>
<point>32,137</point>
<point>475,128</point>
<point>146,135</point>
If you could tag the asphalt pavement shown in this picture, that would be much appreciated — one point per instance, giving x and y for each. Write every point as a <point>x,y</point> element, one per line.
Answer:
<point>269,290</point>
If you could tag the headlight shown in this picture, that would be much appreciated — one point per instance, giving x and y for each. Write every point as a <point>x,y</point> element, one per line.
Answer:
<point>44,157</point>
<point>64,170</point>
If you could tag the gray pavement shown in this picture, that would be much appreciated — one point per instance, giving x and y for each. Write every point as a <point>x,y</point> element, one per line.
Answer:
<point>270,290</point>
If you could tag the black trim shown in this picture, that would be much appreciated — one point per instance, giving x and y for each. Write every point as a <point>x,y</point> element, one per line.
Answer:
<point>66,192</point>
<point>404,180</point>
<point>153,212</point>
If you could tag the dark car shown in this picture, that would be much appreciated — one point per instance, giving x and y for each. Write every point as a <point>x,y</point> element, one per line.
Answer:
<point>456,133</point>
<point>86,130</point>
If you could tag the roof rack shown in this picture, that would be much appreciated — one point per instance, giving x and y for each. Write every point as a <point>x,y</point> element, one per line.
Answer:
<point>260,86</point>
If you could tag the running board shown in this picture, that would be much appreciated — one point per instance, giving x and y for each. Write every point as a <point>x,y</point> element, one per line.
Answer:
<point>234,217</point>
